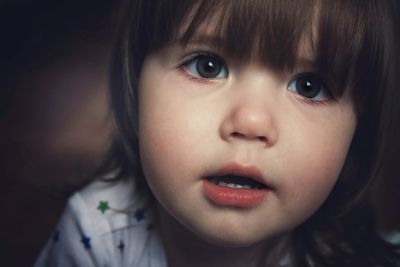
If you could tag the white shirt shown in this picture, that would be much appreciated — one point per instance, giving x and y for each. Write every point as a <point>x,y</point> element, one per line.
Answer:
<point>103,225</point>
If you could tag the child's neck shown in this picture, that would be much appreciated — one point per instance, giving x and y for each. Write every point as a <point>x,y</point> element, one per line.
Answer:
<point>183,248</point>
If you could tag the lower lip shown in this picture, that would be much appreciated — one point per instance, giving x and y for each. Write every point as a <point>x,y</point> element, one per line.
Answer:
<point>225,196</point>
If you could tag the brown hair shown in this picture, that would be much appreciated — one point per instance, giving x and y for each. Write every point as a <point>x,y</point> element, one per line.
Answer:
<point>355,46</point>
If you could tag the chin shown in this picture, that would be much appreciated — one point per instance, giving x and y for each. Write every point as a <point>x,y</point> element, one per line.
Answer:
<point>231,237</point>
<point>233,243</point>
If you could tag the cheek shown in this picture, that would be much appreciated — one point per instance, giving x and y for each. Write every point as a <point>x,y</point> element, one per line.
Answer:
<point>172,126</point>
<point>317,161</point>
<point>160,145</point>
<point>168,130</point>
<point>166,135</point>
<point>170,162</point>
<point>309,188</point>
<point>162,153</point>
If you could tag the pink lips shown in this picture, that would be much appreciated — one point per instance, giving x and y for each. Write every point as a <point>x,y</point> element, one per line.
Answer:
<point>235,197</point>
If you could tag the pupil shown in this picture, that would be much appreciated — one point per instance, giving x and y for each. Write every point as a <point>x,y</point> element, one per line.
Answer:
<point>208,67</point>
<point>308,87</point>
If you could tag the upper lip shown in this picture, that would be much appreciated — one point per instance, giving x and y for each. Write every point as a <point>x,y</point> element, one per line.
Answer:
<point>237,169</point>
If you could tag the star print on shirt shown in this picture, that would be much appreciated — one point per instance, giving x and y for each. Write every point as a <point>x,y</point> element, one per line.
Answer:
<point>121,246</point>
<point>140,214</point>
<point>103,206</point>
<point>56,236</point>
<point>86,242</point>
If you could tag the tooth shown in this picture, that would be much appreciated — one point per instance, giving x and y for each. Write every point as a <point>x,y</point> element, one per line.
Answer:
<point>221,183</point>
<point>216,181</point>
<point>232,185</point>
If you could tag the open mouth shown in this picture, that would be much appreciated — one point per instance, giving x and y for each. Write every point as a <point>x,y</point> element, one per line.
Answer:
<point>236,182</point>
<point>235,185</point>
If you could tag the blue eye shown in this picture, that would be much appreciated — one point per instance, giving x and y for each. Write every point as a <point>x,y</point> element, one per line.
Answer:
<point>206,66</point>
<point>310,86</point>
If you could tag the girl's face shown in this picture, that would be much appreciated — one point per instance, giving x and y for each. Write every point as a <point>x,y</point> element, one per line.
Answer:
<point>234,151</point>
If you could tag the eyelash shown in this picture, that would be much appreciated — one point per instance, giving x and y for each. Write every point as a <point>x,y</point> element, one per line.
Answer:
<point>309,80</point>
<point>189,72</point>
<point>316,103</point>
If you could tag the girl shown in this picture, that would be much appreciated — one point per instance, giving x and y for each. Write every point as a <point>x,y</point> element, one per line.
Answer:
<point>249,134</point>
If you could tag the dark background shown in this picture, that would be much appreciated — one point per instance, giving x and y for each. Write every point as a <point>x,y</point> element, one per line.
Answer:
<point>54,123</point>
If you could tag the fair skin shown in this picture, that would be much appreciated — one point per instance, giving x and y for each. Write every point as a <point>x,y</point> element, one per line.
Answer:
<point>247,115</point>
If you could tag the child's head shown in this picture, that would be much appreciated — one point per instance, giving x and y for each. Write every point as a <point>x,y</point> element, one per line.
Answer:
<point>283,93</point>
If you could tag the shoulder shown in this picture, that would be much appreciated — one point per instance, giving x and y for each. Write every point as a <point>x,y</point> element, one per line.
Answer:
<point>107,205</point>
<point>99,224</point>
<point>120,194</point>
<point>392,237</point>
<point>121,190</point>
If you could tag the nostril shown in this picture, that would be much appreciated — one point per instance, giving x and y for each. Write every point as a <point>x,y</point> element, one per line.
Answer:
<point>236,134</point>
<point>240,135</point>
<point>262,138</point>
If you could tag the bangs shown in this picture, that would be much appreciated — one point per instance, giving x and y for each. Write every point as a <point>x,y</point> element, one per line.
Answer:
<point>342,41</point>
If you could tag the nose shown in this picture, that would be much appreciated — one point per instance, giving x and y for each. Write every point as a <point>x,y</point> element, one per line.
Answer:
<point>249,121</point>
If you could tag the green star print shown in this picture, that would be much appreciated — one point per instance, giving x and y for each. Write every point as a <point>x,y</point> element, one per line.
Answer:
<point>103,206</point>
